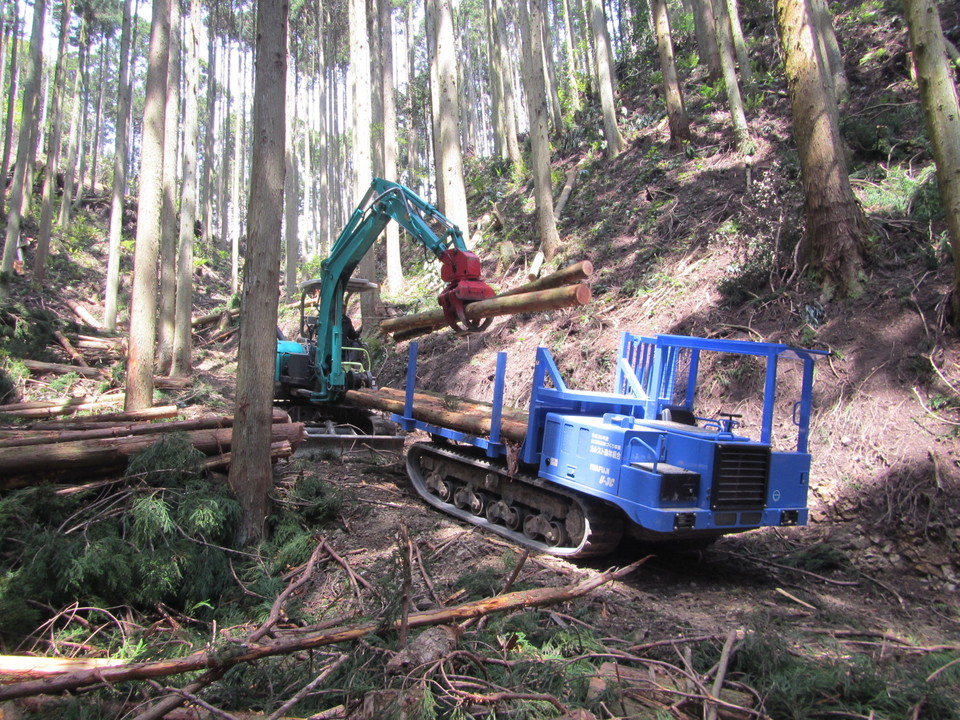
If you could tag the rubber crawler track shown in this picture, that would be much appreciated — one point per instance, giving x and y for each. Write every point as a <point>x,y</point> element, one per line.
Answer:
<point>603,527</point>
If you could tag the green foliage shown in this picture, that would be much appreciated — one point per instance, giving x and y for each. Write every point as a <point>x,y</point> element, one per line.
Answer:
<point>800,679</point>
<point>158,540</point>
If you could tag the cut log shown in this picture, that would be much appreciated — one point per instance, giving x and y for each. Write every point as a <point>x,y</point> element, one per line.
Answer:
<point>160,412</point>
<point>213,317</point>
<point>552,299</point>
<point>567,189</point>
<point>429,411</point>
<point>288,643</point>
<point>20,667</point>
<point>65,407</point>
<point>125,429</point>
<point>114,452</point>
<point>569,275</point>
<point>63,369</point>
<point>451,402</point>
<point>536,265</point>
<point>81,312</point>
<point>282,449</point>
<point>71,350</point>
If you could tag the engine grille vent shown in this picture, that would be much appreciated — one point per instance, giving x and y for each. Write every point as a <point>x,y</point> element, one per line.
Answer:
<point>740,477</point>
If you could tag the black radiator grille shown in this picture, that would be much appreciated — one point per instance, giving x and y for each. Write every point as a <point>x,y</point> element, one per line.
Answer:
<point>740,477</point>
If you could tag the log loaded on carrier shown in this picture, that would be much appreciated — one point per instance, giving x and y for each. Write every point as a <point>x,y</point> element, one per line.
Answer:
<point>579,471</point>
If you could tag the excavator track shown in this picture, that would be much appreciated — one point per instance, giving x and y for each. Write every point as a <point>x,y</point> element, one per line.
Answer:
<point>522,508</point>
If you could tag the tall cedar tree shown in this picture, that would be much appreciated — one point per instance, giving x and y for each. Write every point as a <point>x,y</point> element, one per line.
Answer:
<point>251,475</point>
<point>119,173</point>
<point>676,110</point>
<point>182,337</point>
<point>835,224</point>
<point>532,18</point>
<point>53,147</point>
<point>450,160</point>
<point>31,91</point>
<point>146,254</point>
<point>938,95</point>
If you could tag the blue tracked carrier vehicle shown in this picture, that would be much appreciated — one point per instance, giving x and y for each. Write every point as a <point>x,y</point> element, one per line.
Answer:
<point>639,461</point>
<point>591,467</point>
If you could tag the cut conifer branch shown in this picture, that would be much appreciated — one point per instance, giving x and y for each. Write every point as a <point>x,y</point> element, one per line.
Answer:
<point>287,643</point>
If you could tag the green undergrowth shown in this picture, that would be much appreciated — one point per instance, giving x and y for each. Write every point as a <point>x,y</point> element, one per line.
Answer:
<point>161,537</point>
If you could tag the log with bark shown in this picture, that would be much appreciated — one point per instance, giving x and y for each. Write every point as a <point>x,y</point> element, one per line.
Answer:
<point>159,412</point>
<point>429,409</point>
<point>81,312</point>
<point>569,275</point>
<point>63,407</point>
<point>46,437</point>
<point>407,326</point>
<point>286,643</point>
<point>114,452</point>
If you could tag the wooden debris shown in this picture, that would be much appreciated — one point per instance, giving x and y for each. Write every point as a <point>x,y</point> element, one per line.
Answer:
<point>286,643</point>
<point>645,692</point>
<point>430,646</point>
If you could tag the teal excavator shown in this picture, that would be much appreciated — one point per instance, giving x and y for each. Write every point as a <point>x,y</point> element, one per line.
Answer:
<point>328,358</point>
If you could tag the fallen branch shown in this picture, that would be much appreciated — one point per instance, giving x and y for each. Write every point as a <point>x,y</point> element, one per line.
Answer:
<point>288,643</point>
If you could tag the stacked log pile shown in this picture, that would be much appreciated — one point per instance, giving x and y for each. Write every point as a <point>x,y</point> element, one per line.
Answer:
<point>105,443</point>
<point>467,416</point>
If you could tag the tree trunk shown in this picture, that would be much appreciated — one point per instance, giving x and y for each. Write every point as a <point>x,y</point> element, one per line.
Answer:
<point>183,334</point>
<point>206,182</point>
<point>938,95</point>
<point>291,190</point>
<point>450,161</point>
<point>507,71</point>
<point>251,475</point>
<point>112,291</point>
<point>738,117</point>
<point>31,88</point>
<point>676,111</point>
<point>98,124</point>
<point>360,65</point>
<point>11,100</point>
<point>739,44</point>
<point>70,170</point>
<point>531,21</point>
<point>611,131</point>
<point>705,25</point>
<point>835,224</point>
<point>830,49</point>
<point>53,149</point>
<point>167,300</point>
<point>143,302</point>
<point>394,268</point>
<point>572,87</point>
